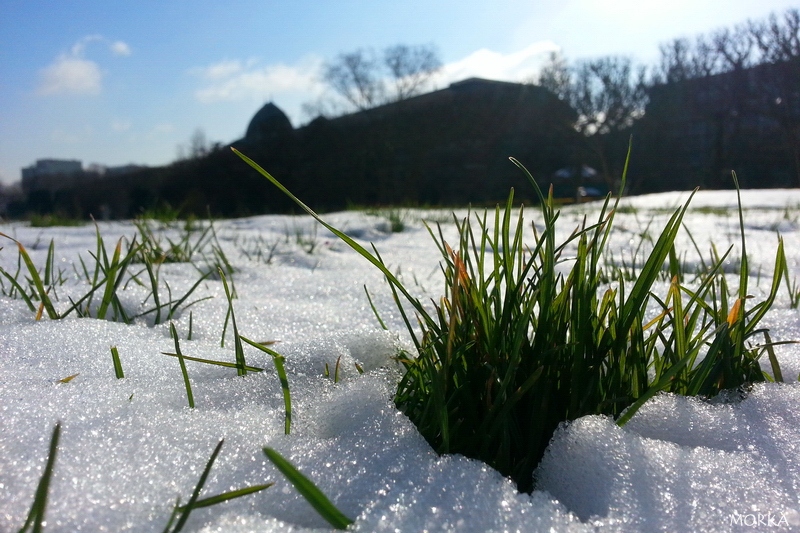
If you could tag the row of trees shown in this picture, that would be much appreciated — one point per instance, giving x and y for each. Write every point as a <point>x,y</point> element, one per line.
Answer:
<point>756,71</point>
<point>758,65</point>
<point>610,94</point>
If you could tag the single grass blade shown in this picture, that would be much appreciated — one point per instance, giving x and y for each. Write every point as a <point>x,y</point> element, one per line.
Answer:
<point>19,289</point>
<point>241,364</point>
<point>309,491</point>
<point>278,360</point>
<point>180,357</point>
<point>226,364</point>
<point>117,364</point>
<point>224,497</point>
<point>375,311</point>
<point>187,509</point>
<point>36,516</point>
<point>773,361</point>
<point>342,236</point>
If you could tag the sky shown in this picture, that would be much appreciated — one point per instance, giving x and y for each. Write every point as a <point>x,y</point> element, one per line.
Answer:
<point>126,82</point>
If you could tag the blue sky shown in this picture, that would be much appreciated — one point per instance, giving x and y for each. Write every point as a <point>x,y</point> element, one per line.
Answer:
<point>118,82</point>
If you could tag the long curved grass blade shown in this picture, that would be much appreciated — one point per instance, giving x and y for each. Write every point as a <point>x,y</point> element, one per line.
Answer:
<point>226,364</point>
<point>35,278</point>
<point>36,516</point>
<point>19,289</point>
<point>190,505</point>
<point>374,311</point>
<point>241,364</point>
<point>225,496</point>
<point>342,236</point>
<point>309,491</point>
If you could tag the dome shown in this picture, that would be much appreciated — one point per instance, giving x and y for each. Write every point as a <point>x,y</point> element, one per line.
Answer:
<point>268,124</point>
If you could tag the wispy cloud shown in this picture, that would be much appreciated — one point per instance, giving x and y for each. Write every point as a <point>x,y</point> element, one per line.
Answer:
<point>484,63</point>
<point>72,73</point>
<point>233,80</point>
<point>292,85</point>
<point>119,48</point>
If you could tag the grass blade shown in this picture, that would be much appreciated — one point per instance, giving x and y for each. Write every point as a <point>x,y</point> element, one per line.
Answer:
<point>35,278</point>
<point>773,361</point>
<point>375,311</point>
<point>225,496</point>
<point>309,491</point>
<point>36,516</point>
<point>179,355</point>
<point>226,364</point>
<point>342,236</point>
<point>241,364</point>
<point>117,364</point>
<point>281,370</point>
<point>187,509</point>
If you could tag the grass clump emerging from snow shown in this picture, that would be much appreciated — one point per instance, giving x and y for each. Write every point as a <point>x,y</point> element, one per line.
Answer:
<point>517,346</point>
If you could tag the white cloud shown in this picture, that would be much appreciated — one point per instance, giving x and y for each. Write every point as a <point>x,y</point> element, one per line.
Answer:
<point>119,48</point>
<point>70,75</point>
<point>220,71</point>
<point>484,63</point>
<point>79,48</point>
<point>233,80</point>
<point>292,85</point>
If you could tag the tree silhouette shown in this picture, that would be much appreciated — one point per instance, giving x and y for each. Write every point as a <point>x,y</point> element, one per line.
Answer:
<point>365,81</point>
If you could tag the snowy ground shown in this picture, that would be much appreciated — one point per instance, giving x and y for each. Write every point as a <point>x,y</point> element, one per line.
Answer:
<point>130,447</point>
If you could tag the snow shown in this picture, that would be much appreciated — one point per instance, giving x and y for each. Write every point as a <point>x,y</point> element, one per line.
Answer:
<point>130,447</point>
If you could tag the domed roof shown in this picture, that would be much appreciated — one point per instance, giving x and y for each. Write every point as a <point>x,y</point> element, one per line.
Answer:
<point>268,123</point>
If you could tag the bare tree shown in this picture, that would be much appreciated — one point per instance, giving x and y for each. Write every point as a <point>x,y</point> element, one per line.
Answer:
<point>706,59</point>
<point>198,144</point>
<point>609,95</point>
<point>676,62</point>
<point>735,47</point>
<point>555,76</point>
<point>362,79</point>
<point>356,77</point>
<point>777,39</point>
<point>411,68</point>
<point>778,92</point>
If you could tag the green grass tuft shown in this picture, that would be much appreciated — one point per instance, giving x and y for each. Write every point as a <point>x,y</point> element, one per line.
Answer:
<point>517,345</point>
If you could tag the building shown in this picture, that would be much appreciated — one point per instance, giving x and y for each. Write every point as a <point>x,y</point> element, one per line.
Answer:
<point>697,131</point>
<point>51,174</point>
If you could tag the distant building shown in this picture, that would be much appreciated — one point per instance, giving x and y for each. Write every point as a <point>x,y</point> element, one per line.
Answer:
<point>51,174</point>
<point>122,170</point>
<point>697,130</point>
